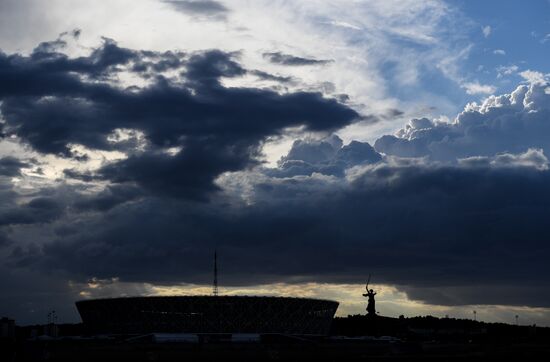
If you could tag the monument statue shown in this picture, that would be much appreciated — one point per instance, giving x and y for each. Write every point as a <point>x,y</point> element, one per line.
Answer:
<point>371,307</point>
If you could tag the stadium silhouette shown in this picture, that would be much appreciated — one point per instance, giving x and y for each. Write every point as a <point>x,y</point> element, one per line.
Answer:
<point>208,314</point>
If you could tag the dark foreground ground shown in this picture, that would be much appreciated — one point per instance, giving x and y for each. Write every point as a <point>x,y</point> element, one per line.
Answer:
<point>421,351</point>
<point>355,338</point>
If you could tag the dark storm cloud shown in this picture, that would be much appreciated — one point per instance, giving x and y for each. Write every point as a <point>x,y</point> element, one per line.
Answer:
<point>81,176</point>
<point>47,72</point>
<point>4,239</point>
<point>188,174</point>
<point>151,63</point>
<point>38,210</point>
<point>200,8</point>
<point>413,226</point>
<point>108,198</point>
<point>46,102</point>
<point>287,59</point>
<point>11,166</point>
<point>517,293</point>
<point>204,70</point>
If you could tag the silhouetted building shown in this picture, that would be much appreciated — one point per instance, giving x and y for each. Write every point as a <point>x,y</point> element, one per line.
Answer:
<point>51,330</point>
<point>7,328</point>
<point>208,314</point>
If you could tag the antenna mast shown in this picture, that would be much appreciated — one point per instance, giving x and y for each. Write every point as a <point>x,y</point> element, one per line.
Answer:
<point>215,287</point>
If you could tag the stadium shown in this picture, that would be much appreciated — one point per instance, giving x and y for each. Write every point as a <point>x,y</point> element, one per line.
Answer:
<point>208,314</point>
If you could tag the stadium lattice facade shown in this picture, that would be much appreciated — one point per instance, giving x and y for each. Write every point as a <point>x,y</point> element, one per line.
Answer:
<point>208,314</point>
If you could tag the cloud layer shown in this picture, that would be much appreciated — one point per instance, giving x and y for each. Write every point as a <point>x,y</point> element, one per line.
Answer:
<point>450,212</point>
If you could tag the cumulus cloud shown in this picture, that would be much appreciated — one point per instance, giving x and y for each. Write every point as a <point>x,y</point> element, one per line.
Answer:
<point>512,122</point>
<point>327,156</point>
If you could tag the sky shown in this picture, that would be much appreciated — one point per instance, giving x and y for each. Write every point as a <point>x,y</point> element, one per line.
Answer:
<point>311,143</point>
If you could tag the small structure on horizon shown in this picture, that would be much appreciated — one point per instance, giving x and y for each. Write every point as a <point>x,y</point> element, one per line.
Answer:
<point>51,329</point>
<point>371,307</point>
<point>215,285</point>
